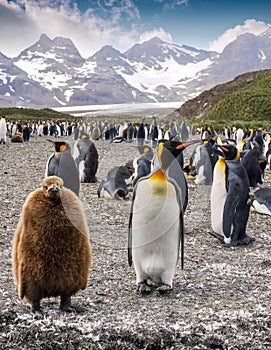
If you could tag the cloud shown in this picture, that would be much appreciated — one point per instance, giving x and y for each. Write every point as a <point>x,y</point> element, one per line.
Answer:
<point>21,25</point>
<point>249,26</point>
<point>115,10</point>
<point>173,3</point>
<point>159,32</point>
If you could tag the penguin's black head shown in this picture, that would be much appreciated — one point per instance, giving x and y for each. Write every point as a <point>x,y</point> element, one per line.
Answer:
<point>84,135</point>
<point>129,165</point>
<point>60,146</point>
<point>230,152</point>
<point>169,150</point>
<point>146,151</point>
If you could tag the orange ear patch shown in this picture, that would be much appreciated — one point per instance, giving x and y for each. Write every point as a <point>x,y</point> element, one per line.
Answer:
<point>62,148</point>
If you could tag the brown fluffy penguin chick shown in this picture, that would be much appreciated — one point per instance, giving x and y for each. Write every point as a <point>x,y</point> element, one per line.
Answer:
<point>51,248</point>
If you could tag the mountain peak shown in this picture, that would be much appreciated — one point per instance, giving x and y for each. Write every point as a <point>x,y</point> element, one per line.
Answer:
<point>154,40</point>
<point>106,52</point>
<point>44,40</point>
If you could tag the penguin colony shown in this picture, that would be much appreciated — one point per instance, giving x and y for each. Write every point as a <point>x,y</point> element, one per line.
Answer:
<point>46,263</point>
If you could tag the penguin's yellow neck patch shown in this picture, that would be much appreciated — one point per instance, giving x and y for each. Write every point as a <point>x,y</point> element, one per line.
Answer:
<point>159,176</point>
<point>221,162</point>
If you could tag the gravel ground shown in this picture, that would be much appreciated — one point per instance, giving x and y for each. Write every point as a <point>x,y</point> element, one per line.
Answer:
<point>221,300</point>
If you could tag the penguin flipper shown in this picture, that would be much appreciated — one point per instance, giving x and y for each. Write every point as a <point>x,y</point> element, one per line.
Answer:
<point>130,258</point>
<point>229,210</point>
<point>182,238</point>
<point>181,206</point>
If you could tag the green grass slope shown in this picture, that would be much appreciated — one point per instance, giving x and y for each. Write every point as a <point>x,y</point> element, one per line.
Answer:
<point>246,100</point>
<point>14,113</point>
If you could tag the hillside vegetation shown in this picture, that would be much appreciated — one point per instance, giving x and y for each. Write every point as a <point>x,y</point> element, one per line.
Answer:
<point>33,114</point>
<point>244,101</point>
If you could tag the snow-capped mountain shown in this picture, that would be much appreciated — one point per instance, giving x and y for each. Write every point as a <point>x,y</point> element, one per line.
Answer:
<point>52,73</point>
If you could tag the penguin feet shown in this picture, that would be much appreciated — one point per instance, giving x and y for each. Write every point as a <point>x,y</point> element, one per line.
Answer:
<point>71,308</point>
<point>65,305</point>
<point>143,288</point>
<point>164,288</point>
<point>36,308</point>
<point>187,230</point>
<point>244,241</point>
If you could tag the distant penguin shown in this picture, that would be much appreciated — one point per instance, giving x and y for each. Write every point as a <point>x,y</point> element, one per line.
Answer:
<point>3,130</point>
<point>175,172</point>
<point>51,247</point>
<point>266,143</point>
<point>141,133</point>
<point>143,164</point>
<point>86,159</point>
<point>254,163</point>
<point>156,224</point>
<point>61,163</point>
<point>258,137</point>
<point>115,185</point>
<point>202,162</point>
<point>268,155</point>
<point>154,132</point>
<point>248,140</point>
<point>184,131</point>
<point>119,139</point>
<point>17,138</point>
<point>229,198</point>
<point>96,133</point>
<point>261,201</point>
<point>239,135</point>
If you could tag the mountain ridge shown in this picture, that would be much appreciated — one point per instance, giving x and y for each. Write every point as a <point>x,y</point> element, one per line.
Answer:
<point>153,71</point>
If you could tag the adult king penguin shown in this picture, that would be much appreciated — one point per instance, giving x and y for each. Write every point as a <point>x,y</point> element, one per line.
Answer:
<point>229,198</point>
<point>86,158</point>
<point>156,224</point>
<point>62,164</point>
<point>143,164</point>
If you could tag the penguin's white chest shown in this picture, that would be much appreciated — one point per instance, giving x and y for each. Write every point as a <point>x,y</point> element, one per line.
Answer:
<point>261,208</point>
<point>218,196</point>
<point>81,168</point>
<point>155,230</point>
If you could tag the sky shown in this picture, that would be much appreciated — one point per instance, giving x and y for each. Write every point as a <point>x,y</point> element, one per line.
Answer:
<point>92,24</point>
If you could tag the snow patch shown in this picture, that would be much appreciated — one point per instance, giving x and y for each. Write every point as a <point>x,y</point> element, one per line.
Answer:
<point>59,101</point>
<point>262,56</point>
<point>148,79</point>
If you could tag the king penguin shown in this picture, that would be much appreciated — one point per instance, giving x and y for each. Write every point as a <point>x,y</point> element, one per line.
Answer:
<point>254,163</point>
<point>143,164</point>
<point>156,224</point>
<point>141,133</point>
<point>62,164</point>
<point>230,198</point>
<point>115,186</point>
<point>261,201</point>
<point>86,158</point>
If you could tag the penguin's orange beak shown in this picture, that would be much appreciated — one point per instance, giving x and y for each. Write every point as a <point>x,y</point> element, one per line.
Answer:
<point>224,149</point>
<point>51,141</point>
<point>183,145</point>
